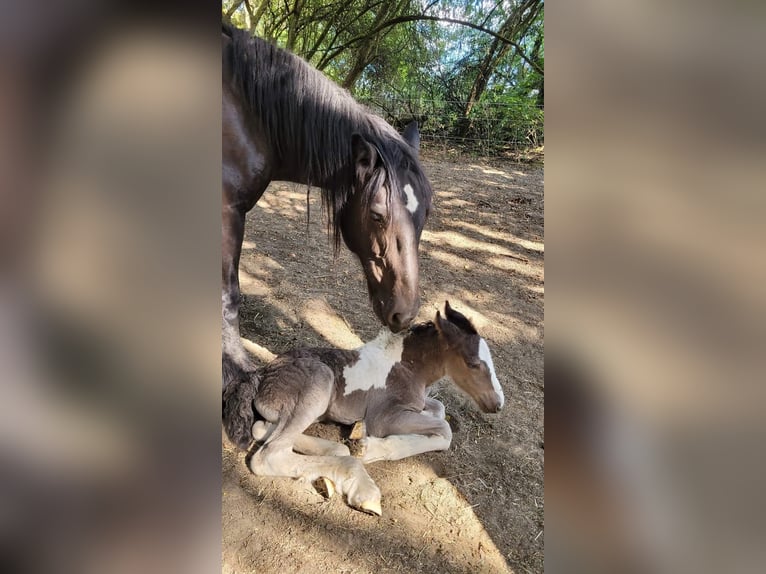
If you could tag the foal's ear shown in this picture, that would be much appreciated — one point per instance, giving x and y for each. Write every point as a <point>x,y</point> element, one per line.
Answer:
<point>439,322</point>
<point>445,328</point>
<point>365,156</point>
<point>411,135</point>
<point>458,319</point>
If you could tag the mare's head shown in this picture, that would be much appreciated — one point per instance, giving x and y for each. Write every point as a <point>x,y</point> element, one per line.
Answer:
<point>468,361</point>
<point>383,219</point>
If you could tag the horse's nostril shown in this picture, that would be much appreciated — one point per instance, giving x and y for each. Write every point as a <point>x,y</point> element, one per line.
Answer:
<point>398,321</point>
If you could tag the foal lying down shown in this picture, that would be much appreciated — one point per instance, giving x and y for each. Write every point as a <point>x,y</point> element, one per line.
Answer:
<point>384,383</point>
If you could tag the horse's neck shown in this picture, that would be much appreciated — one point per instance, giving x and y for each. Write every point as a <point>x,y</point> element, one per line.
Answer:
<point>327,162</point>
<point>317,152</point>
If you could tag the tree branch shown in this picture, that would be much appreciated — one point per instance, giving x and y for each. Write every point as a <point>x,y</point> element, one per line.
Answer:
<point>416,17</point>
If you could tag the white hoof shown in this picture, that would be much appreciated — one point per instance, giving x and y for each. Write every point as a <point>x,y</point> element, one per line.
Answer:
<point>371,507</point>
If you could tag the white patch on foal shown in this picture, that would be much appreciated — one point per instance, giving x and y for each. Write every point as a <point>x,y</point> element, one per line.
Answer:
<point>412,201</point>
<point>485,356</point>
<point>376,359</point>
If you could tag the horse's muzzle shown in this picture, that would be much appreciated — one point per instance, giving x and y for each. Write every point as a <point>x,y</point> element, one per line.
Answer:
<point>399,321</point>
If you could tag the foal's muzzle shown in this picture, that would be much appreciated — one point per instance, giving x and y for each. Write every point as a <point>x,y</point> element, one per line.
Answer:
<point>490,403</point>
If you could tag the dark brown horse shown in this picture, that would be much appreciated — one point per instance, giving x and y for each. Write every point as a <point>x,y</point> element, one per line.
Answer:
<point>283,120</point>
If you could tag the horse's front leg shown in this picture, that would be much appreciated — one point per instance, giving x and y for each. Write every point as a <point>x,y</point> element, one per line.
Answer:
<point>406,433</point>
<point>233,229</point>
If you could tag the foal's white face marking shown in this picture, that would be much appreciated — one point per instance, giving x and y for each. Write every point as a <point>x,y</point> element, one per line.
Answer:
<point>485,356</point>
<point>412,201</point>
<point>376,359</point>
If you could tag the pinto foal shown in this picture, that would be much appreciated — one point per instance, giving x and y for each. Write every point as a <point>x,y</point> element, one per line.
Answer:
<point>384,383</point>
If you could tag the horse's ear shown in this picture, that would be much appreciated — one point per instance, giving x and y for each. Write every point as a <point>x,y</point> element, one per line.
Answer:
<point>365,156</point>
<point>411,135</point>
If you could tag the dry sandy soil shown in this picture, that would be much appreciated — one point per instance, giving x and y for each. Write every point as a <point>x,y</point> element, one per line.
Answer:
<point>477,507</point>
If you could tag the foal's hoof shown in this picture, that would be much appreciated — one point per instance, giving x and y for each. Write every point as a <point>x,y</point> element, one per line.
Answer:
<point>359,431</point>
<point>326,486</point>
<point>358,448</point>
<point>371,507</point>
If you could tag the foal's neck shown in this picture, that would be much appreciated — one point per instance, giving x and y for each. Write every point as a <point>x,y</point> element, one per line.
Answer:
<point>424,353</point>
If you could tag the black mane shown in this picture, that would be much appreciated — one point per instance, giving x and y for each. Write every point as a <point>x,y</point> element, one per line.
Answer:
<point>309,120</point>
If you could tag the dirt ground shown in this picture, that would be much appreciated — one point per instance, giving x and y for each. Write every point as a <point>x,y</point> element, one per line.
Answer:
<point>477,507</point>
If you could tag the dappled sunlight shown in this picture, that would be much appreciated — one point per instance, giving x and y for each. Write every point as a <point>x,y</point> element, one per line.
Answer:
<point>261,353</point>
<point>280,200</point>
<point>325,321</point>
<point>502,236</point>
<point>508,174</point>
<point>512,264</point>
<point>479,269</point>
<point>260,265</point>
<point>251,285</point>
<point>432,527</point>
<point>460,241</point>
<point>505,186</point>
<point>454,260</point>
<point>485,322</point>
<point>455,202</point>
<point>489,170</point>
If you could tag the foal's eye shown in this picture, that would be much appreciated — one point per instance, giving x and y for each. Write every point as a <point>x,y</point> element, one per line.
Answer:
<point>475,366</point>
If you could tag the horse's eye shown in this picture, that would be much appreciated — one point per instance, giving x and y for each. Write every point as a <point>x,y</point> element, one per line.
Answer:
<point>377,217</point>
<point>474,366</point>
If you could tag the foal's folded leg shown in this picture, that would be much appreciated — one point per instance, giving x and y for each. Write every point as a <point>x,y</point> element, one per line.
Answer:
<point>276,456</point>
<point>304,444</point>
<point>434,408</point>
<point>346,473</point>
<point>406,433</point>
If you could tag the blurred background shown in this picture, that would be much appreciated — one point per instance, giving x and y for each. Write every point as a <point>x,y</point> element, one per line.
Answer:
<point>654,357</point>
<point>109,281</point>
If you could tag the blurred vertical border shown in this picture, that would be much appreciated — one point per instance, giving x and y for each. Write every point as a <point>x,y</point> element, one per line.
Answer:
<point>655,196</point>
<point>109,281</point>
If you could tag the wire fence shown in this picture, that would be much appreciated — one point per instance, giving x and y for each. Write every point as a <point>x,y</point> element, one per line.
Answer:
<point>515,129</point>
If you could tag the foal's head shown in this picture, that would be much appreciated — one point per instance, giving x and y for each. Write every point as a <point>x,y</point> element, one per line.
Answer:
<point>468,361</point>
<point>383,220</point>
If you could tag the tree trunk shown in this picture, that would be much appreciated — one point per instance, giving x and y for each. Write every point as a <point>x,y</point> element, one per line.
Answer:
<point>293,25</point>
<point>364,54</point>
<point>515,25</point>
<point>255,18</point>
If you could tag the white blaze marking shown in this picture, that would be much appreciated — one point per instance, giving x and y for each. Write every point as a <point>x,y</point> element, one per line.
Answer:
<point>412,201</point>
<point>376,359</point>
<point>485,356</point>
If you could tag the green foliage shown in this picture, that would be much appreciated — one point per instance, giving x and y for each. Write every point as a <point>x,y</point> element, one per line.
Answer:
<point>463,84</point>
